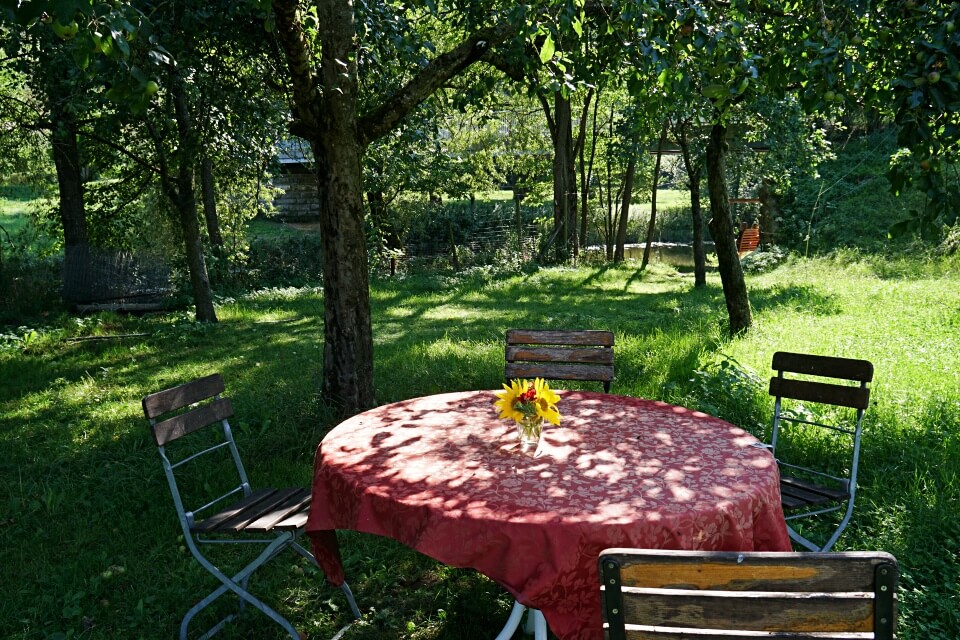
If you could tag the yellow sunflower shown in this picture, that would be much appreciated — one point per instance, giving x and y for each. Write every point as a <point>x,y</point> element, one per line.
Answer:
<point>522,399</point>
<point>546,402</point>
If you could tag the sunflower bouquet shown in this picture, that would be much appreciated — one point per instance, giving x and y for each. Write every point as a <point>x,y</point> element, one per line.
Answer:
<point>529,404</point>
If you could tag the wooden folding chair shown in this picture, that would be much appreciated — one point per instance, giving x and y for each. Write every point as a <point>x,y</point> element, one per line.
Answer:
<point>268,518</point>
<point>580,355</point>
<point>808,490</point>
<point>696,595</point>
<point>560,355</point>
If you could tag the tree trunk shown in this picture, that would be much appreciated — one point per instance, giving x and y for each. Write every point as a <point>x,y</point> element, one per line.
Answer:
<point>209,194</point>
<point>66,157</point>
<point>518,196</point>
<point>585,190</point>
<point>185,200</point>
<point>348,336</point>
<point>693,175</point>
<point>651,227</point>
<point>724,236</point>
<point>618,254</point>
<point>564,177</point>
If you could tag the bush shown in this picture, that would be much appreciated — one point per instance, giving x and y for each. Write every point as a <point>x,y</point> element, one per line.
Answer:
<point>764,260</point>
<point>848,204</point>
<point>29,286</point>
<point>284,260</point>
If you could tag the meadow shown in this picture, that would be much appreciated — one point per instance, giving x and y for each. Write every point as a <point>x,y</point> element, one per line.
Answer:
<point>90,547</point>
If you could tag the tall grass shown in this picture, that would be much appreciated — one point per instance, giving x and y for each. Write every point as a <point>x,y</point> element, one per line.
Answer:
<point>89,546</point>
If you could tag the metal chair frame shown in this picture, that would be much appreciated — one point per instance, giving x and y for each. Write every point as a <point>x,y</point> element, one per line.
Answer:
<point>275,517</point>
<point>856,398</point>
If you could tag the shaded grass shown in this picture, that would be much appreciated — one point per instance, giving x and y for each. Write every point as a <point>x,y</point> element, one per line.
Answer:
<point>89,546</point>
<point>14,215</point>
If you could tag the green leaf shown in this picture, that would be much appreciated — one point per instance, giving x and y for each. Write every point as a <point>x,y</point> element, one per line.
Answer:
<point>577,27</point>
<point>548,49</point>
<point>714,91</point>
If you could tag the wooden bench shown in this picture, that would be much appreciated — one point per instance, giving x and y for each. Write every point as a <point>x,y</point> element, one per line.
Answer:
<point>749,241</point>
<point>560,355</point>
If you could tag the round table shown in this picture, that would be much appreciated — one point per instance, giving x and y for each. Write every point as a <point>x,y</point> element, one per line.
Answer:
<point>443,475</point>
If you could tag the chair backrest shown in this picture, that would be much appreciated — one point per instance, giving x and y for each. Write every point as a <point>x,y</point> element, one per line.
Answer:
<point>669,595</point>
<point>185,409</point>
<point>854,397</point>
<point>560,355</point>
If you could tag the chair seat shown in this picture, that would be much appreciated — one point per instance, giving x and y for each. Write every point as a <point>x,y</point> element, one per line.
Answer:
<point>262,511</point>
<point>797,494</point>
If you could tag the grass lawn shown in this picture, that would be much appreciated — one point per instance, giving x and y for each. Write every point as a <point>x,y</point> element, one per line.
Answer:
<point>89,544</point>
<point>14,215</point>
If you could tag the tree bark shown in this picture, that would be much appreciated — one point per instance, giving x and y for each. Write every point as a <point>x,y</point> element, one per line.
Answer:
<point>724,236</point>
<point>66,157</point>
<point>564,174</point>
<point>651,227</point>
<point>73,218</point>
<point>185,200</point>
<point>209,195</point>
<point>348,336</point>
<point>693,175</point>
<point>585,184</point>
<point>624,219</point>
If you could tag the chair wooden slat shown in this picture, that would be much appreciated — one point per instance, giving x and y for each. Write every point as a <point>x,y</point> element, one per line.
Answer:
<point>766,571</point>
<point>298,502</point>
<point>854,397</point>
<point>593,337</point>
<point>293,522</point>
<point>161,402</point>
<point>808,493</point>
<point>204,415</point>
<point>640,632</point>
<point>823,366</point>
<point>555,371</point>
<point>743,611</point>
<point>559,354</point>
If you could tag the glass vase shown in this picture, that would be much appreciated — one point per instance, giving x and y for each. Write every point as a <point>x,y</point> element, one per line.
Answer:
<point>529,430</point>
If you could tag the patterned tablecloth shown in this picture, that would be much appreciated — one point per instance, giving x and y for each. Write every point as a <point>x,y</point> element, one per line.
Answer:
<point>444,476</point>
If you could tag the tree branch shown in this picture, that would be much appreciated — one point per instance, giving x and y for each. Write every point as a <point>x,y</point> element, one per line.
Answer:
<point>123,150</point>
<point>307,99</point>
<point>383,119</point>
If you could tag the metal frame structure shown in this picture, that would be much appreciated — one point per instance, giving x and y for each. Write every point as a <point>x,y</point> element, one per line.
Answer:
<point>271,518</point>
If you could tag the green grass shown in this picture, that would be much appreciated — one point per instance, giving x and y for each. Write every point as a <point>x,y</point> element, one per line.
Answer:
<point>89,546</point>
<point>271,228</point>
<point>14,215</point>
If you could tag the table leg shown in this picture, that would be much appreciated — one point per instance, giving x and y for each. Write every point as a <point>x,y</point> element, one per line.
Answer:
<point>516,616</point>
<point>536,624</point>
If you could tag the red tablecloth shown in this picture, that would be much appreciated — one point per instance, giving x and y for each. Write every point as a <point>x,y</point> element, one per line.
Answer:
<point>444,476</point>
